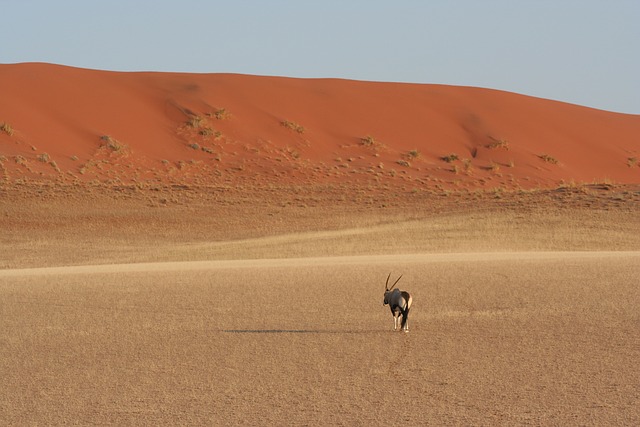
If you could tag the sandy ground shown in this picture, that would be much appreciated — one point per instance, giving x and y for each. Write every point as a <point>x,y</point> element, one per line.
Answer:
<point>496,338</point>
<point>57,225</point>
<point>211,249</point>
<point>128,311</point>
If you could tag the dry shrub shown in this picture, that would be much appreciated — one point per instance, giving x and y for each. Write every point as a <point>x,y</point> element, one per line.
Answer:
<point>468,168</point>
<point>194,122</point>
<point>548,159</point>
<point>207,131</point>
<point>450,158</point>
<point>498,143</point>
<point>413,154</point>
<point>221,114</point>
<point>292,126</point>
<point>112,143</point>
<point>368,141</point>
<point>6,128</point>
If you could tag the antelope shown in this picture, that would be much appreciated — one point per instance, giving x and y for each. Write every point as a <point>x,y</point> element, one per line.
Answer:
<point>399,302</point>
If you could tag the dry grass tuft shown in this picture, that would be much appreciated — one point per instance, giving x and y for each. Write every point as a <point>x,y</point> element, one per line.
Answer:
<point>368,141</point>
<point>112,143</point>
<point>293,126</point>
<point>194,121</point>
<point>6,128</point>
<point>499,143</point>
<point>412,154</point>
<point>450,158</point>
<point>467,167</point>
<point>206,131</point>
<point>548,159</point>
<point>221,114</point>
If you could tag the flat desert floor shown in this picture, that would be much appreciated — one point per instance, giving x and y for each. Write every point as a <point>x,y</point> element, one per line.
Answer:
<point>192,307</point>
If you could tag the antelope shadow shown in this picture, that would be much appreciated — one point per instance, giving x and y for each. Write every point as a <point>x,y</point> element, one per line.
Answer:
<point>296,331</point>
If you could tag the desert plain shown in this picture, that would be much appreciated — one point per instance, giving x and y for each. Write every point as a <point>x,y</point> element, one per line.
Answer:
<point>182,249</point>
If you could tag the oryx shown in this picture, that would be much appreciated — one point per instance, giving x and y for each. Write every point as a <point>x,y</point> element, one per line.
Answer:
<point>399,302</point>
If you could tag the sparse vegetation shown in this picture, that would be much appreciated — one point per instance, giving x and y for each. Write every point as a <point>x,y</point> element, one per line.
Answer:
<point>292,126</point>
<point>466,164</point>
<point>632,162</point>
<point>499,143</point>
<point>548,159</point>
<point>44,158</point>
<point>404,163</point>
<point>6,128</point>
<point>112,143</point>
<point>221,114</point>
<point>195,146</point>
<point>570,184</point>
<point>368,141</point>
<point>207,131</point>
<point>450,158</point>
<point>194,121</point>
<point>294,154</point>
<point>413,154</point>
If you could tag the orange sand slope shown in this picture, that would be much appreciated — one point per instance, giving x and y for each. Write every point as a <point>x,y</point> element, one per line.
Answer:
<point>70,124</point>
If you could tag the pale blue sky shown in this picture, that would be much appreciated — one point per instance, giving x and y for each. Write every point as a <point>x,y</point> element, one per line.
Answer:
<point>581,51</point>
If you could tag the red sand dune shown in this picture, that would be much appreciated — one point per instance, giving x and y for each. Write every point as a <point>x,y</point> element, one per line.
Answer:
<point>72,124</point>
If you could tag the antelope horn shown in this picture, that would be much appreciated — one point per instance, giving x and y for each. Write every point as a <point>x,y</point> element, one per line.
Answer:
<point>386,285</point>
<point>396,282</point>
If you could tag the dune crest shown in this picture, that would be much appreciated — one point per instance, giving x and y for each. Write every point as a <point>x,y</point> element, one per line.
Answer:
<point>68,124</point>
